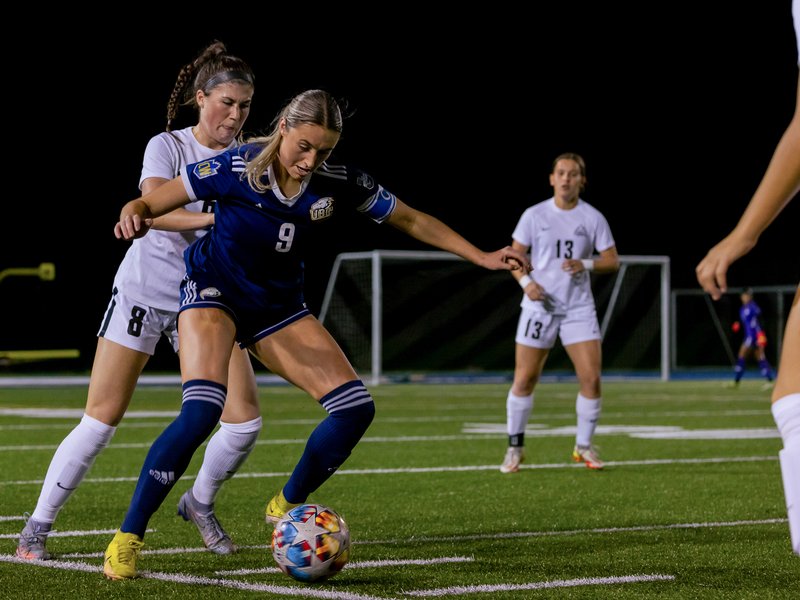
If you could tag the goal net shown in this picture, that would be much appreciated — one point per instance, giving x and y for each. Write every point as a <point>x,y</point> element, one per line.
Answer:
<point>401,315</point>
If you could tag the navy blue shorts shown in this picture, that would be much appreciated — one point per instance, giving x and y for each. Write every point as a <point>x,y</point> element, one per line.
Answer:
<point>251,325</point>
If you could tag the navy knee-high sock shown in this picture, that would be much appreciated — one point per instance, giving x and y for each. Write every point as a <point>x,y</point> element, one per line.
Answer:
<point>170,454</point>
<point>350,412</point>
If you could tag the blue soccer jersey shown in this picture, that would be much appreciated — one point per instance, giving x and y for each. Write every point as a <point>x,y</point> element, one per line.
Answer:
<point>254,253</point>
<point>750,317</point>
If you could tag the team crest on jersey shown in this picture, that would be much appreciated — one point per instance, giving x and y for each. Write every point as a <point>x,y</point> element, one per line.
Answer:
<point>321,209</point>
<point>210,292</point>
<point>365,181</point>
<point>207,168</point>
<point>581,231</point>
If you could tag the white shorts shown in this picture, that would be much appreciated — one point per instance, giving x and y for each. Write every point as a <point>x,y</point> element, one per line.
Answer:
<point>540,329</point>
<point>138,327</point>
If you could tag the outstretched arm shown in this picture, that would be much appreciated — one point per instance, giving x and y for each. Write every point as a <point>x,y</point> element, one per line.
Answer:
<point>136,217</point>
<point>179,219</point>
<point>431,230</point>
<point>781,182</point>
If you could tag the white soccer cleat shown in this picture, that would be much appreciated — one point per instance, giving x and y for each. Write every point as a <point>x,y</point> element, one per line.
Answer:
<point>515,456</point>
<point>214,536</point>
<point>587,455</point>
<point>32,540</point>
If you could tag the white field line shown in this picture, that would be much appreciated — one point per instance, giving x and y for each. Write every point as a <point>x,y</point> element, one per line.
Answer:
<point>421,539</point>
<point>67,534</point>
<point>363,564</point>
<point>540,585</point>
<point>492,467</point>
<point>481,431</point>
<point>571,532</point>
<point>663,432</point>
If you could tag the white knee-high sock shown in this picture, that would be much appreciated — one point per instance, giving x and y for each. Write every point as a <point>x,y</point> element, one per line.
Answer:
<point>588,411</point>
<point>518,411</point>
<point>73,458</point>
<point>226,451</point>
<point>786,412</point>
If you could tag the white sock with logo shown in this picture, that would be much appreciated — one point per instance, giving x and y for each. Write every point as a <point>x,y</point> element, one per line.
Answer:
<point>73,458</point>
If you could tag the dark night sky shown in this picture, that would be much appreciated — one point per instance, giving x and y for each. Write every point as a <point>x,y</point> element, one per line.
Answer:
<point>676,112</point>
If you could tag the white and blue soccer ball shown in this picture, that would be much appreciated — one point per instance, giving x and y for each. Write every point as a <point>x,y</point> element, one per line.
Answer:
<point>311,543</point>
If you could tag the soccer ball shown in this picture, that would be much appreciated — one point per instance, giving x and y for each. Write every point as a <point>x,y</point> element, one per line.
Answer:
<point>311,543</point>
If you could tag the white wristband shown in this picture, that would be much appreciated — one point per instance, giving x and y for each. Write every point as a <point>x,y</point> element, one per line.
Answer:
<point>524,281</point>
<point>588,264</point>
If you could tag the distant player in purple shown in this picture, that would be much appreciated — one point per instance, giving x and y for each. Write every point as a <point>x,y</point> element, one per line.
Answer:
<point>755,339</point>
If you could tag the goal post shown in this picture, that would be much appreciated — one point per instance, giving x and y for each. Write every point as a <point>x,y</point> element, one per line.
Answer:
<point>645,278</point>
<point>399,313</point>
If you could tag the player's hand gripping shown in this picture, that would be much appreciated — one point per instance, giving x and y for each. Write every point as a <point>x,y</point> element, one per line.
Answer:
<point>507,259</point>
<point>134,221</point>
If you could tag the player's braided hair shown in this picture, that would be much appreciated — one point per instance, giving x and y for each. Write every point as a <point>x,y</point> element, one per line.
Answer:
<point>202,72</point>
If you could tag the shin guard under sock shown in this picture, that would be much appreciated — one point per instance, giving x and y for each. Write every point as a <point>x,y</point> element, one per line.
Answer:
<point>351,411</point>
<point>170,454</point>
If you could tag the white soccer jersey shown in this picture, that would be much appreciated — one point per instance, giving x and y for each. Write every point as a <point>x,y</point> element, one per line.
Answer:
<point>554,235</point>
<point>153,267</point>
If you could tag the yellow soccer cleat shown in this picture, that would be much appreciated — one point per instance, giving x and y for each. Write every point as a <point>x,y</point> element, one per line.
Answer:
<point>278,507</point>
<point>121,555</point>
